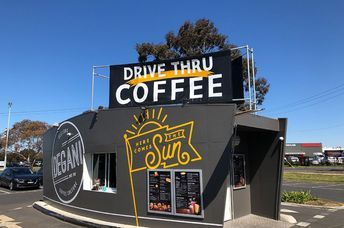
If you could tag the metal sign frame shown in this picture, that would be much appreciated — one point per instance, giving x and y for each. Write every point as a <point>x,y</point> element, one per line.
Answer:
<point>251,97</point>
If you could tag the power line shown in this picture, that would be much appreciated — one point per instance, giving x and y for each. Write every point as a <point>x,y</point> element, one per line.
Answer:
<point>309,105</point>
<point>46,111</point>
<point>323,128</point>
<point>323,96</point>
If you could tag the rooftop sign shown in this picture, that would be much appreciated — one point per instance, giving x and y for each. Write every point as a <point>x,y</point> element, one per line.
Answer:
<point>204,79</point>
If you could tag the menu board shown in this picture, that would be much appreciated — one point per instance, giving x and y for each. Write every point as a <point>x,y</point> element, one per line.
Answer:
<point>188,197</point>
<point>159,191</point>
<point>239,171</point>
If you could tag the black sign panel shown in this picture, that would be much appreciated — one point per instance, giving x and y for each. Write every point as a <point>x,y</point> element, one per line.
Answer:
<point>188,197</point>
<point>203,79</point>
<point>239,171</point>
<point>159,191</point>
<point>67,162</point>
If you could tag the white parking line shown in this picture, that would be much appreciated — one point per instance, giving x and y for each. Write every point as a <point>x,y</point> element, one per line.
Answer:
<point>18,208</point>
<point>303,224</point>
<point>8,222</point>
<point>288,211</point>
<point>4,191</point>
<point>21,192</point>
<point>326,186</point>
<point>318,216</point>
<point>332,210</point>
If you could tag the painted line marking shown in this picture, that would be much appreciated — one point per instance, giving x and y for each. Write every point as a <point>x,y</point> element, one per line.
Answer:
<point>318,216</point>
<point>303,224</point>
<point>324,213</point>
<point>288,211</point>
<point>8,222</point>
<point>21,192</point>
<point>4,218</point>
<point>5,192</point>
<point>332,210</point>
<point>18,208</point>
<point>29,206</point>
<point>331,185</point>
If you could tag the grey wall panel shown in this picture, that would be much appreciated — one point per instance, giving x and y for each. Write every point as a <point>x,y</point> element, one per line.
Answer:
<point>264,161</point>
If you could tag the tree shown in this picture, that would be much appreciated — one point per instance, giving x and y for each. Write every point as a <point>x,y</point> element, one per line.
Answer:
<point>195,39</point>
<point>25,139</point>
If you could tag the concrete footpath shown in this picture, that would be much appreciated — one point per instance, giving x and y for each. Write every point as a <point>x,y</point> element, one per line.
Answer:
<point>246,221</point>
<point>73,218</point>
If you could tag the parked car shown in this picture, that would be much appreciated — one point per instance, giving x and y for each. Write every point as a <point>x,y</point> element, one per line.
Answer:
<point>19,177</point>
<point>293,159</point>
<point>329,160</point>
<point>340,160</point>
<point>24,164</point>
<point>315,161</point>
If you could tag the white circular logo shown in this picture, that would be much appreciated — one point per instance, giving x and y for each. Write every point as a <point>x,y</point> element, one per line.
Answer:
<point>67,162</point>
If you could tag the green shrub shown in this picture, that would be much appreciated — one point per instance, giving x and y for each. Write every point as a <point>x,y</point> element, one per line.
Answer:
<point>297,197</point>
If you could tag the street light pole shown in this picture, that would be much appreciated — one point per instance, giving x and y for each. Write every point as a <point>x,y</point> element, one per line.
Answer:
<point>8,130</point>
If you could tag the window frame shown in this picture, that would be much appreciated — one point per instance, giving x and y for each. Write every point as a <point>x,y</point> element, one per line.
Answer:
<point>90,170</point>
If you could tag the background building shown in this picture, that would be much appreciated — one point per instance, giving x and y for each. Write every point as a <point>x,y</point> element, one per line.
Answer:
<point>333,151</point>
<point>305,149</point>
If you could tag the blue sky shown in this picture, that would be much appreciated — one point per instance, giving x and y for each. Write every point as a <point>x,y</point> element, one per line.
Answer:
<point>47,50</point>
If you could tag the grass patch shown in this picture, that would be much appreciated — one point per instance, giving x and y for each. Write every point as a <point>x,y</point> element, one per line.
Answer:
<point>306,177</point>
<point>305,197</point>
<point>297,197</point>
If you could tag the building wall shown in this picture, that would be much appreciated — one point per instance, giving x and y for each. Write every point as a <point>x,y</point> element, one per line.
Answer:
<point>263,150</point>
<point>104,132</point>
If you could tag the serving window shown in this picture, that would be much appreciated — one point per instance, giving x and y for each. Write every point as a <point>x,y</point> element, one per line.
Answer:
<point>101,169</point>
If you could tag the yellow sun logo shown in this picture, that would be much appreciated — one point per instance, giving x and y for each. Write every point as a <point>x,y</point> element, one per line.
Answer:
<point>150,143</point>
<point>147,120</point>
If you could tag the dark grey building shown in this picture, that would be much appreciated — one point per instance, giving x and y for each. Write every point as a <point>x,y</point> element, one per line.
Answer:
<point>169,166</point>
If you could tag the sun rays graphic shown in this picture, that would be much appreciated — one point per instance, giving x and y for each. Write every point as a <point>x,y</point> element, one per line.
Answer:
<point>147,119</point>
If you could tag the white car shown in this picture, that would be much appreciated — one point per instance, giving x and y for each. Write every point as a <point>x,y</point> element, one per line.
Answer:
<point>330,160</point>
<point>293,159</point>
<point>315,162</point>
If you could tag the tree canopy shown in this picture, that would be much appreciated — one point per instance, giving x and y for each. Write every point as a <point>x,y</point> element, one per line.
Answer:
<point>25,138</point>
<point>198,38</point>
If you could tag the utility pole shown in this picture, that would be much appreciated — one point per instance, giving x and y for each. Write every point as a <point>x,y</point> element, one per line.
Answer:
<point>8,131</point>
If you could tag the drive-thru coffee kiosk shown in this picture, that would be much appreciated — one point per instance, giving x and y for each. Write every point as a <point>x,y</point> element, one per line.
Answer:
<point>170,150</point>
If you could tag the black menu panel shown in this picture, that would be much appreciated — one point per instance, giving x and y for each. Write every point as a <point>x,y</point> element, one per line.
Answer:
<point>188,196</point>
<point>159,191</point>
<point>239,171</point>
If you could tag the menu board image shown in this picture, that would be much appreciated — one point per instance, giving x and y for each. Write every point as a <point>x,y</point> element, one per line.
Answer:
<point>239,176</point>
<point>159,191</point>
<point>188,195</point>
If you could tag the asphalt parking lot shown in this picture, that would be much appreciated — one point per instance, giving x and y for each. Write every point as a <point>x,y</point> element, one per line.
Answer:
<point>16,210</point>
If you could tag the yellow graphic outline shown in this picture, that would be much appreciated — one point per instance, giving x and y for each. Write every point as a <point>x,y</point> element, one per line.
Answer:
<point>138,133</point>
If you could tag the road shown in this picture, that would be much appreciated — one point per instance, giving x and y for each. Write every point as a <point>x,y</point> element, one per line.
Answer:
<point>16,210</point>
<point>316,169</point>
<point>315,217</point>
